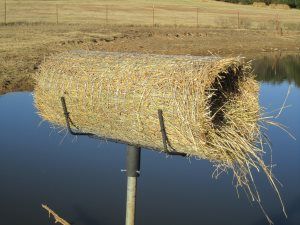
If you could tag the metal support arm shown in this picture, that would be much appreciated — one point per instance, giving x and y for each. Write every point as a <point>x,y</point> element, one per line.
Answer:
<point>166,143</point>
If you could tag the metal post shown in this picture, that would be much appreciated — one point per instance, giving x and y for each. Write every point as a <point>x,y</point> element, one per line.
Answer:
<point>133,171</point>
<point>277,23</point>
<point>106,14</point>
<point>238,19</point>
<point>197,17</point>
<point>153,24</point>
<point>5,12</point>
<point>175,24</point>
<point>56,14</point>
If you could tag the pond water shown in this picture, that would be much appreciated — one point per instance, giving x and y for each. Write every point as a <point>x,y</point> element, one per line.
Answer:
<point>81,179</point>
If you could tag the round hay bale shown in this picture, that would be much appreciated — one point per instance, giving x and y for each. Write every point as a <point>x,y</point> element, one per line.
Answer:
<point>259,4</point>
<point>209,104</point>
<point>117,95</point>
<point>279,6</point>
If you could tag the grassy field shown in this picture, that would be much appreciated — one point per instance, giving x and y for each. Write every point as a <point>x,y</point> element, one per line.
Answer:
<point>140,12</point>
<point>31,33</point>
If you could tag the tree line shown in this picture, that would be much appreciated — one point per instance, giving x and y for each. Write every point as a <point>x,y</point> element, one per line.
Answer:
<point>291,3</point>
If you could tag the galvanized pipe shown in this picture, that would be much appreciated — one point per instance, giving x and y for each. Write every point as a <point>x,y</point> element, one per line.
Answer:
<point>133,171</point>
<point>131,199</point>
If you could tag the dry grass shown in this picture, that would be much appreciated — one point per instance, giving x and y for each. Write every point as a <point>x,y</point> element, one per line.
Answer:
<point>210,105</point>
<point>23,46</point>
<point>32,32</point>
<point>167,12</point>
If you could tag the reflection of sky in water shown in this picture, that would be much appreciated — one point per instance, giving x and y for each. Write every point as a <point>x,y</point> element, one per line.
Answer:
<point>83,182</point>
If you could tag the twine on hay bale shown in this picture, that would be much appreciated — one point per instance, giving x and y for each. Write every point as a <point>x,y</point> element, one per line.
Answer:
<point>210,105</point>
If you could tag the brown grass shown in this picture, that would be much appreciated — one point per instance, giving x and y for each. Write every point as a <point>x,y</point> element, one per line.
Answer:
<point>31,31</point>
<point>210,105</point>
<point>140,12</point>
<point>23,46</point>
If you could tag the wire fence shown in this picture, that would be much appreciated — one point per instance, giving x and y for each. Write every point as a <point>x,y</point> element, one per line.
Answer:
<point>149,14</point>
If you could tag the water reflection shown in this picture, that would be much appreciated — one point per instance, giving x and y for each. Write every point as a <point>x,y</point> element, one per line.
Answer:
<point>81,179</point>
<point>274,69</point>
<point>278,68</point>
<point>15,83</point>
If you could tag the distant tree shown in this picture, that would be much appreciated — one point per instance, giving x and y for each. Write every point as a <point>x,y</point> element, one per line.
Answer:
<point>291,3</point>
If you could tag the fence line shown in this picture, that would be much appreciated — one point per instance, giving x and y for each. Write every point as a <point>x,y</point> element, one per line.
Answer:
<point>217,19</point>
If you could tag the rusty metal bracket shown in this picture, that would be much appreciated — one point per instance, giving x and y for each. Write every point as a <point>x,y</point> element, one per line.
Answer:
<point>166,142</point>
<point>165,139</point>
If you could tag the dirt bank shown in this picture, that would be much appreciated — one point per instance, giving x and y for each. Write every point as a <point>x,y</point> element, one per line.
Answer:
<point>24,46</point>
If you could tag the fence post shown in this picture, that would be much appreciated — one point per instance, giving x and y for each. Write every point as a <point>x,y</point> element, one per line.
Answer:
<point>106,14</point>
<point>238,20</point>
<point>197,17</point>
<point>175,24</point>
<point>277,23</point>
<point>56,14</point>
<point>5,12</point>
<point>153,24</point>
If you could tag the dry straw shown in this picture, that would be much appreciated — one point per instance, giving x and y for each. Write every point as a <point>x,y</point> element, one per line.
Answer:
<point>210,105</point>
<point>57,218</point>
